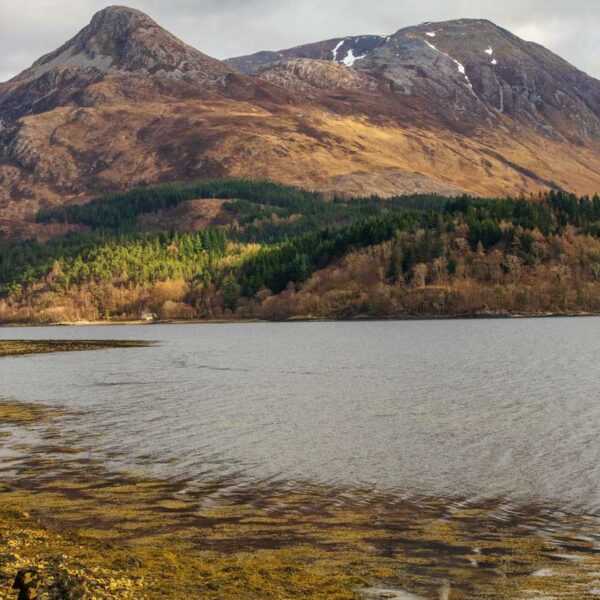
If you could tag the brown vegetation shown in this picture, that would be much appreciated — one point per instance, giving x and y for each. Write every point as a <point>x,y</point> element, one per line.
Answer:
<point>481,283</point>
<point>88,532</point>
<point>188,216</point>
<point>562,278</point>
<point>21,347</point>
<point>387,126</point>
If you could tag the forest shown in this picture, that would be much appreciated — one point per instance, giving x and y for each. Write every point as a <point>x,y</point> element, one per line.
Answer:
<point>282,252</point>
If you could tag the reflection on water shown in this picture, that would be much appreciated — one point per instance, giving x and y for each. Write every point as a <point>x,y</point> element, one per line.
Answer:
<point>502,409</point>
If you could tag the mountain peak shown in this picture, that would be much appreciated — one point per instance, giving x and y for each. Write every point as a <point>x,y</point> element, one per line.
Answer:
<point>120,43</point>
<point>126,40</point>
<point>119,20</point>
<point>119,11</point>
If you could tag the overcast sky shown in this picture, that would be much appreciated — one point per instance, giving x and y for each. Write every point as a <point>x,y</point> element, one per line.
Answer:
<point>225,28</point>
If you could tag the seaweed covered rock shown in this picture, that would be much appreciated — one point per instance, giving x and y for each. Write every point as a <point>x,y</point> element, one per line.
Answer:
<point>27,584</point>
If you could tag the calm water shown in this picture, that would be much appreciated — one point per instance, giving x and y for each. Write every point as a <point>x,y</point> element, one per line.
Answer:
<point>493,408</point>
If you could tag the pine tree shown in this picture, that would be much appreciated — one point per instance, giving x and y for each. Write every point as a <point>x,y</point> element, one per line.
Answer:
<point>231,292</point>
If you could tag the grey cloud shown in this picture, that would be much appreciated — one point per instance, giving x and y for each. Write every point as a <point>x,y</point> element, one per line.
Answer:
<point>224,28</point>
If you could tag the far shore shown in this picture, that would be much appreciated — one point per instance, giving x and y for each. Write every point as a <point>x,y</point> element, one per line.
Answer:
<point>305,319</point>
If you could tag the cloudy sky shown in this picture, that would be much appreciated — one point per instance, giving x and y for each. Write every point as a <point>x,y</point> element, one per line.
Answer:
<point>225,28</point>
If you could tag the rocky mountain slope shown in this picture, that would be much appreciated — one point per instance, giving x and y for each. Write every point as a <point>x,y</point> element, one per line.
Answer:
<point>478,70</point>
<point>121,44</point>
<point>447,107</point>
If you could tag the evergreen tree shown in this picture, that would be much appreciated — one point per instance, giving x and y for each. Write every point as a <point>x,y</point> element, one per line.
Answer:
<point>231,293</point>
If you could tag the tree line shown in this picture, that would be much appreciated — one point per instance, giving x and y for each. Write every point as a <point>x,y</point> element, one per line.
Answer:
<point>284,235</point>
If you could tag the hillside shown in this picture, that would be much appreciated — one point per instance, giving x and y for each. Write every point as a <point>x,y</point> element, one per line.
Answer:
<point>461,106</point>
<point>263,250</point>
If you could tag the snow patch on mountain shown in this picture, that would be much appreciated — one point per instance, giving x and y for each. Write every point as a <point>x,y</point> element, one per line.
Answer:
<point>351,59</point>
<point>335,50</point>
<point>459,65</point>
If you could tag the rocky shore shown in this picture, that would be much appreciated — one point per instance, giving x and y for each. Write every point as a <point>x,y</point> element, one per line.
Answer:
<point>72,528</point>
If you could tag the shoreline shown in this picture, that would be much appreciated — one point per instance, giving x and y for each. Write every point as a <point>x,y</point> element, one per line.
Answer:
<point>356,319</point>
<point>121,535</point>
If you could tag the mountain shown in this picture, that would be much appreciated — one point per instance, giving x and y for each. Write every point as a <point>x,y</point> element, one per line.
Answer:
<point>119,44</point>
<point>343,50</point>
<point>477,70</point>
<point>452,107</point>
<point>123,103</point>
